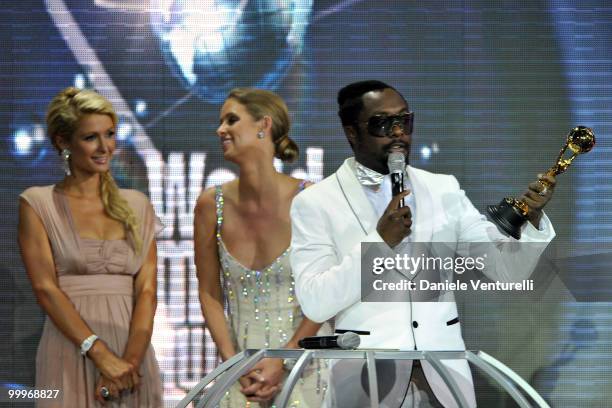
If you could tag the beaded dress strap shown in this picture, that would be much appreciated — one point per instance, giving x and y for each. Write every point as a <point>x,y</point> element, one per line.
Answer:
<point>219,208</point>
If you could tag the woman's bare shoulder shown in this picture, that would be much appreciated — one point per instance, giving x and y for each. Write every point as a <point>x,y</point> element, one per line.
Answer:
<point>208,197</point>
<point>206,201</point>
<point>299,184</point>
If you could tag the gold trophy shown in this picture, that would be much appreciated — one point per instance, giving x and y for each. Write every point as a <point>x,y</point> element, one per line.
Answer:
<point>510,214</point>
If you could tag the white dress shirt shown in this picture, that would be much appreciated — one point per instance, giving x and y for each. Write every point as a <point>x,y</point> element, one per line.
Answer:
<point>380,196</point>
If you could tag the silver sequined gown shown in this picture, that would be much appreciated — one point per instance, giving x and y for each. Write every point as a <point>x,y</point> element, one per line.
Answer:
<point>263,312</point>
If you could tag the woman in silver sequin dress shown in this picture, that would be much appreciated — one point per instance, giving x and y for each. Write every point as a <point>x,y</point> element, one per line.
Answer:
<point>242,234</point>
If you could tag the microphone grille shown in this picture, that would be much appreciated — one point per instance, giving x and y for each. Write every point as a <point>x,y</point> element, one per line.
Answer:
<point>396,161</point>
<point>348,340</point>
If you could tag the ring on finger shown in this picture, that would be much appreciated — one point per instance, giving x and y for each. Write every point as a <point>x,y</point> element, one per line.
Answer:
<point>543,192</point>
<point>105,393</point>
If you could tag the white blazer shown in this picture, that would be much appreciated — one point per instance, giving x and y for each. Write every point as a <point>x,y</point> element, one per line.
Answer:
<point>331,219</point>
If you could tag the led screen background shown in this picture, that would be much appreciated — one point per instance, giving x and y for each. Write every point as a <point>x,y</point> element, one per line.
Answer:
<point>495,87</point>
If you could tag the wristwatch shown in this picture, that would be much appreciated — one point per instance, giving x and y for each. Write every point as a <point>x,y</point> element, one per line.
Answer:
<point>87,343</point>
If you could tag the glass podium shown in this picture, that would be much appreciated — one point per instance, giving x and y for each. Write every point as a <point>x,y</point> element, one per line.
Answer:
<point>208,392</point>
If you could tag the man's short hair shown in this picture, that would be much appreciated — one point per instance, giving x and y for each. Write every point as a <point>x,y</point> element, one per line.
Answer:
<point>350,102</point>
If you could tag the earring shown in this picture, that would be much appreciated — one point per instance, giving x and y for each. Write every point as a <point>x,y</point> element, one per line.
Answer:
<point>261,134</point>
<point>66,161</point>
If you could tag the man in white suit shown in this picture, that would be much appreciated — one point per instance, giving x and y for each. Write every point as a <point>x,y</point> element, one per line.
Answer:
<point>331,219</point>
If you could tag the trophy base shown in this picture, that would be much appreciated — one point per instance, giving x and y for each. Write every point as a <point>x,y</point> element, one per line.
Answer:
<point>508,218</point>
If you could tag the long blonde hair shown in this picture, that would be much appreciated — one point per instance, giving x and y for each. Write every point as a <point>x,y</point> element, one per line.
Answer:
<point>259,103</point>
<point>63,116</point>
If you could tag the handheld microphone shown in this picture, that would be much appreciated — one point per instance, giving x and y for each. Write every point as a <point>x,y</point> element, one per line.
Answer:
<point>396,162</point>
<point>346,341</point>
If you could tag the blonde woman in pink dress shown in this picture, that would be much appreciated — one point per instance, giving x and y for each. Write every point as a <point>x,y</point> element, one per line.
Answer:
<point>89,250</point>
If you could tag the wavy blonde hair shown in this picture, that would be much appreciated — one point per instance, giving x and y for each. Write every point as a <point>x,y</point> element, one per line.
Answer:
<point>259,103</point>
<point>63,117</point>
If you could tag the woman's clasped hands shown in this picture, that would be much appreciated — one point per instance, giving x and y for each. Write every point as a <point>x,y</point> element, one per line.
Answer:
<point>264,380</point>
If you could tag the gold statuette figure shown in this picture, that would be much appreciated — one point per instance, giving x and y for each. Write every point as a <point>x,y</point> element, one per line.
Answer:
<point>511,213</point>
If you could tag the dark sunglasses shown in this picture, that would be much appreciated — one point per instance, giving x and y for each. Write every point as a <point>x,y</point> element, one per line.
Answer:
<point>382,125</point>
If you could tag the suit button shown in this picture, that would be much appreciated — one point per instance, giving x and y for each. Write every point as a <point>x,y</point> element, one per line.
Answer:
<point>415,324</point>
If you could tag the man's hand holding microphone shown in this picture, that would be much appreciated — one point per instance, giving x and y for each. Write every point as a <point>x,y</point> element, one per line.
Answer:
<point>394,225</point>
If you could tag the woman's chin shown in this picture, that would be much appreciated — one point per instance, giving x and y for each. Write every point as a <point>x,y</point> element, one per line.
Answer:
<point>100,169</point>
<point>91,170</point>
<point>229,155</point>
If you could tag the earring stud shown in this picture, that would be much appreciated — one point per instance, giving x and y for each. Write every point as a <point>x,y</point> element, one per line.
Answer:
<point>261,134</point>
<point>66,161</point>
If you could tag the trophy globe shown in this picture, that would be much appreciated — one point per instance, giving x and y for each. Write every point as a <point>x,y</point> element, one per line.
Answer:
<point>214,46</point>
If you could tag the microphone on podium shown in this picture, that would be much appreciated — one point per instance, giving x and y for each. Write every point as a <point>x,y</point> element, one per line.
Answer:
<point>396,162</point>
<point>345,341</point>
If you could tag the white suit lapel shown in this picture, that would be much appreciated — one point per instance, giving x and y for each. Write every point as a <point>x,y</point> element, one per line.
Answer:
<point>362,209</point>
<point>422,224</point>
<point>355,196</point>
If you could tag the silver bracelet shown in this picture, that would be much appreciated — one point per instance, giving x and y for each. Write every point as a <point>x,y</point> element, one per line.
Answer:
<point>87,343</point>
<point>289,363</point>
